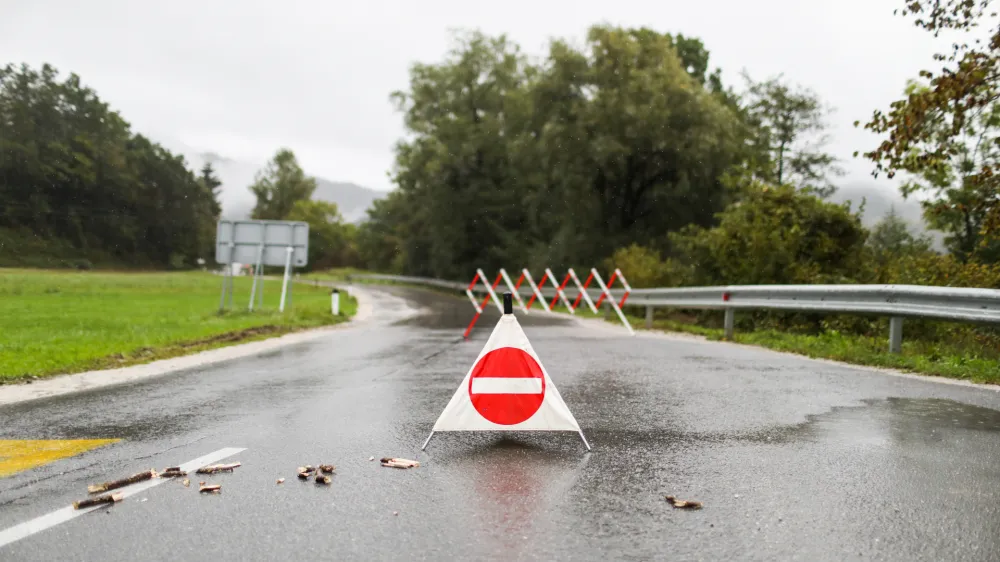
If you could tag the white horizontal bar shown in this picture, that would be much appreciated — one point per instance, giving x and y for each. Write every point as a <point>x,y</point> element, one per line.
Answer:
<point>506,385</point>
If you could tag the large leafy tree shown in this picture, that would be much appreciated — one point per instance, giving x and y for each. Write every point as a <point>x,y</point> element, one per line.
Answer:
<point>458,173</point>
<point>279,186</point>
<point>634,146</point>
<point>945,133</point>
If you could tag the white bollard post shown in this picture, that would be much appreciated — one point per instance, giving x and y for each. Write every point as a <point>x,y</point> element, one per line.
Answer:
<point>335,302</point>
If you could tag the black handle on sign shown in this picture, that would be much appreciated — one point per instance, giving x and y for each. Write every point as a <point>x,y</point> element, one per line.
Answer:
<point>508,304</point>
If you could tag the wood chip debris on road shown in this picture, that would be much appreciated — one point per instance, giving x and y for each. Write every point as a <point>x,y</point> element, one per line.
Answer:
<point>209,488</point>
<point>683,504</point>
<point>327,468</point>
<point>281,480</point>
<point>107,498</point>
<point>172,472</point>
<point>115,484</point>
<point>213,468</point>
<point>322,479</point>
<point>399,463</point>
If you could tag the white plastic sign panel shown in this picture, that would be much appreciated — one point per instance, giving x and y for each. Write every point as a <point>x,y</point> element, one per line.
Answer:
<point>507,389</point>
<point>239,241</point>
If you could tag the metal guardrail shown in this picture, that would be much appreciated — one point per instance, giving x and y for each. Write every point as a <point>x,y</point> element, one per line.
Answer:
<point>896,301</point>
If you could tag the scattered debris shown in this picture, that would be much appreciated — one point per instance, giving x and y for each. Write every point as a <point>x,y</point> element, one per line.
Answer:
<point>395,513</point>
<point>210,488</point>
<point>371,458</point>
<point>281,480</point>
<point>107,498</point>
<point>683,504</point>
<point>172,472</point>
<point>304,475</point>
<point>322,479</point>
<point>399,463</point>
<point>144,500</point>
<point>327,468</point>
<point>186,482</point>
<point>115,484</point>
<point>212,469</point>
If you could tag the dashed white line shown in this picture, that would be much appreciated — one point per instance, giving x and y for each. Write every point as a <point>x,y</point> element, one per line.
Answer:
<point>49,520</point>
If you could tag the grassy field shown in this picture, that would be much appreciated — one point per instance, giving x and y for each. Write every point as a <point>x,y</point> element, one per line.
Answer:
<point>62,322</point>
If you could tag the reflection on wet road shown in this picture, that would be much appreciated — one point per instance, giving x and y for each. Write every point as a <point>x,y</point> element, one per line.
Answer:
<point>793,459</point>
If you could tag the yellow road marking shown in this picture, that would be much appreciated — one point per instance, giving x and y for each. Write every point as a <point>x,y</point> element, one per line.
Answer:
<point>23,454</point>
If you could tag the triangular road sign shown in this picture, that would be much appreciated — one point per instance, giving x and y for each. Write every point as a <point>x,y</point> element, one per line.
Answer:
<point>507,389</point>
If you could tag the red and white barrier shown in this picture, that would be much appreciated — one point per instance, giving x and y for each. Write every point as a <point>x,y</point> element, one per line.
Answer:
<point>606,292</point>
<point>559,289</point>
<point>490,294</point>
<point>525,274</point>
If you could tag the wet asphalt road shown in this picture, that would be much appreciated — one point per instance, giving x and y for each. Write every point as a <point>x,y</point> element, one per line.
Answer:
<point>793,459</point>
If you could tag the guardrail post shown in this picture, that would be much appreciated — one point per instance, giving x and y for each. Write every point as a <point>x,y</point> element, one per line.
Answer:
<point>649,318</point>
<point>729,323</point>
<point>896,334</point>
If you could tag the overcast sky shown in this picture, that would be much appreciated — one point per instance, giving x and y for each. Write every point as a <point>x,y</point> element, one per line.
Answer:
<point>243,77</point>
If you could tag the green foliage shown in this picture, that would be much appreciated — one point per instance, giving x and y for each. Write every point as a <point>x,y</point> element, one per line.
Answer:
<point>789,123</point>
<point>562,162</point>
<point>72,172</point>
<point>331,241</point>
<point>891,240</point>
<point>775,235</point>
<point>91,320</point>
<point>646,269</point>
<point>280,186</point>
<point>946,132</point>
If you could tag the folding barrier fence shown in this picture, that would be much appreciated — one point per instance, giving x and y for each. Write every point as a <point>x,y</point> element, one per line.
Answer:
<point>559,295</point>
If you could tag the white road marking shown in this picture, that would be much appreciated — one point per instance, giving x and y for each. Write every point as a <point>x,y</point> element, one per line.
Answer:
<point>506,385</point>
<point>49,520</point>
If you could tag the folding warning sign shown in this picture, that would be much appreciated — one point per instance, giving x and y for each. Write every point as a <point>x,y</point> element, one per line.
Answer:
<point>507,389</point>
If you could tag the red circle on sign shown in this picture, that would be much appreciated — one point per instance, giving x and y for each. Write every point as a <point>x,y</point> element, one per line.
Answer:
<point>507,386</point>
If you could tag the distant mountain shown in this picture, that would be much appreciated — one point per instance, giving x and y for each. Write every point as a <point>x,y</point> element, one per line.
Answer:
<point>878,201</point>
<point>352,199</point>
<point>237,201</point>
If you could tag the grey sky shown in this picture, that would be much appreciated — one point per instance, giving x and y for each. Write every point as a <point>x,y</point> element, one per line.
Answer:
<point>243,77</point>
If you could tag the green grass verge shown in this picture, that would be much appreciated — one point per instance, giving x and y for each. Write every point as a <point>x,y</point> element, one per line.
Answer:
<point>54,322</point>
<point>952,360</point>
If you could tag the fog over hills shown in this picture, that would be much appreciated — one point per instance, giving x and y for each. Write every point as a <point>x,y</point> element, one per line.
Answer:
<point>237,201</point>
<point>878,201</point>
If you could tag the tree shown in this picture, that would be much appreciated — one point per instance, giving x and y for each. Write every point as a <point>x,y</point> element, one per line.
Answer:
<point>775,235</point>
<point>330,240</point>
<point>212,184</point>
<point>73,173</point>
<point>459,175</point>
<point>280,186</point>
<point>634,147</point>
<point>960,202</point>
<point>789,122</point>
<point>928,131</point>
<point>891,236</point>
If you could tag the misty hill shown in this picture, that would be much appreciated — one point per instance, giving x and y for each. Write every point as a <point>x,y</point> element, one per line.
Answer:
<point>352,199</point>
<point>237,201</point>
<point>878,201</point>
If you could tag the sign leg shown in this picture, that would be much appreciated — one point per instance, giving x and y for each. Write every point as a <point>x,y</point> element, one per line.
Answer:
<point>432,435</point>
<point>581,437</point>
<point>284,284</point>
<point>225,280</point>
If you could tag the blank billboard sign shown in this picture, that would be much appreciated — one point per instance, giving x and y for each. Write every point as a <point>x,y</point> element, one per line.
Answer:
<point>240,241</point>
